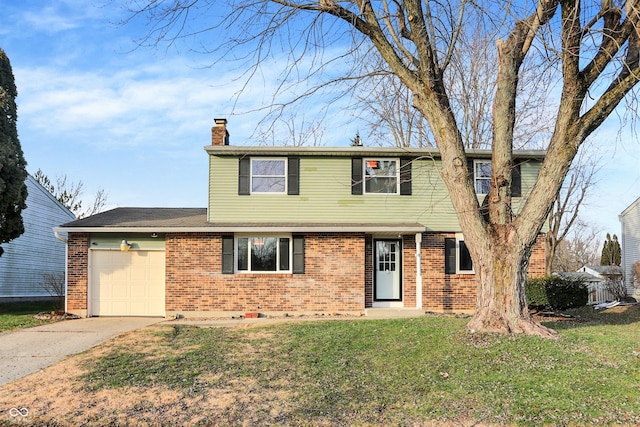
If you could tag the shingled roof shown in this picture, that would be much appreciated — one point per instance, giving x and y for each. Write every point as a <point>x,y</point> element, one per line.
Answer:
<point>195,220</point>
<point>144,218</point>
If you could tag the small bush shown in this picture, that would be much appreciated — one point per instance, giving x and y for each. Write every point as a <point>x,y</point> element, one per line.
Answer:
<point>53,283</point>
<point>554,292</point>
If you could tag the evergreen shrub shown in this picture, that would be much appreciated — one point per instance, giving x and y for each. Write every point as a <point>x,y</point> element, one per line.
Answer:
<point>555,292</point>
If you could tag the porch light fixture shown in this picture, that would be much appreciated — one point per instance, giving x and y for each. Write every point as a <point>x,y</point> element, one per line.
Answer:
<point>125,246</point>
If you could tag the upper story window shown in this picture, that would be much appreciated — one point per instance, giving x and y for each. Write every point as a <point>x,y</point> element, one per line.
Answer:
<point>268,176</point>
<point>381,176</point>
<point>482,176</point>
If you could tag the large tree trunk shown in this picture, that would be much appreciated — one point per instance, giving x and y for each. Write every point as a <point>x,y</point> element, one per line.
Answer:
<point>501,275</point>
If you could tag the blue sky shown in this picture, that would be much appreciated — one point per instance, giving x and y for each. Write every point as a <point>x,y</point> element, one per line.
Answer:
<point>134,121</point>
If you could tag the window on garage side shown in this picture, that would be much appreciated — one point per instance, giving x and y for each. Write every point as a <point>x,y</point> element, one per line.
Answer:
<point>262,254</point>
<point>268,176</point>
<point>262,175</point>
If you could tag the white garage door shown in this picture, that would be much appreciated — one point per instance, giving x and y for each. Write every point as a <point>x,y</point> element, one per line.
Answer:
<point>127,283</point>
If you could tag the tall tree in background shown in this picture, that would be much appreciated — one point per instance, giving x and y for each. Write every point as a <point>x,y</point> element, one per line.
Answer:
<point>611,251</point>
<point>578,247</point>
<point>590,51</point>
<point>386,103</point>
<point>69,193</point>
<point>13,173</point>
<point>566,208</point>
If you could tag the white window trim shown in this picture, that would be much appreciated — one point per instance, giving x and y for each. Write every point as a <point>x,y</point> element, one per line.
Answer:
<point>364,174</point>
<point>278,255</point>
<point>476,178</point>
<point>460,238</point>
<point>285,176</point>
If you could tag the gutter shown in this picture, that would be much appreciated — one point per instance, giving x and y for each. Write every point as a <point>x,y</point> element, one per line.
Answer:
<point>409,228</point>
<point>59,236</point>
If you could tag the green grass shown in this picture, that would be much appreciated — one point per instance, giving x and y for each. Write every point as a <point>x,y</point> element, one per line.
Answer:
<point>21,315</point>
<point>398,372</point>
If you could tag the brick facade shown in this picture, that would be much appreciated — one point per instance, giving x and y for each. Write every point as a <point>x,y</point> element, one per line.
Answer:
<point>338,277</point>
<point>77,273</point>
<point>333,280</point>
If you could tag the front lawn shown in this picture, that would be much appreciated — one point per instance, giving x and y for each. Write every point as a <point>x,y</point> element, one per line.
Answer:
<point>377,372</point>
<point>21,315</point>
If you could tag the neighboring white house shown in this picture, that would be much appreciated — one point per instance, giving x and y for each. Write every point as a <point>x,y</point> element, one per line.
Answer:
<point>36,252</point>
<point>630,245</point>
<point>596,277</point>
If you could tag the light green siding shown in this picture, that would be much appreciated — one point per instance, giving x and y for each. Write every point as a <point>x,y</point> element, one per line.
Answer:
<point>138,241</point>
<point>325,196</point>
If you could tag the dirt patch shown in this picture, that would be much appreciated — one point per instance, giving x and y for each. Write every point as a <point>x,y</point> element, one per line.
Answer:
<point>56,315</point>
<point>58,395</point>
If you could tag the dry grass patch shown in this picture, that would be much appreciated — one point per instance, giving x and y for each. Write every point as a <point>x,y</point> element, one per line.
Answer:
<point>426,371</point>
<point>67,394</point>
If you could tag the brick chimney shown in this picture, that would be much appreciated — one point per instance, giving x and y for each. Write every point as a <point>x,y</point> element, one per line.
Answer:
<point>219,133</point>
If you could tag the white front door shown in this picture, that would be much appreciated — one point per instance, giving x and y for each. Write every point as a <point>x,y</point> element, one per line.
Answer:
<point>388,285</point>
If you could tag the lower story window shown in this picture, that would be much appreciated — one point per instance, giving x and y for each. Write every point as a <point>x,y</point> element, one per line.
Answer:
<point>457,256</point>
<point>263,253</point>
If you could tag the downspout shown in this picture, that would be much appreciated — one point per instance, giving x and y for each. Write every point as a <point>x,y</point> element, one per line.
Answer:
<point>418,270</point>
<point>66,264</point>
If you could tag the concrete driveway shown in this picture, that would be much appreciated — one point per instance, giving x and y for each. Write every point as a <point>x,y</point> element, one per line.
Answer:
<point>28,350</point>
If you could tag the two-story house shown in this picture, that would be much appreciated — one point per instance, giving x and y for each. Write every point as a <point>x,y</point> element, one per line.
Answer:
<point>289,230</point>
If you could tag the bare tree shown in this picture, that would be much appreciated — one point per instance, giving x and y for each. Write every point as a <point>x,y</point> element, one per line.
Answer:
<point>292,129</point>
<point>69,193</point>
<point>566,207</point>
<point>471,83</point>
<point>389,109</point>
<point>590,51</point>
<point>579,247</point>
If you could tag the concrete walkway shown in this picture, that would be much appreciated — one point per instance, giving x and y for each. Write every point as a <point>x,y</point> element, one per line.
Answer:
<point>28,350</point>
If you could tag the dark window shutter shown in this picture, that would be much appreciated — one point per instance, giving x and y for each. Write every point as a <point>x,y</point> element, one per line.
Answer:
<point>465,257</point>
<point>356,175</point>
<point>293,176</point>
<point>449,256</point>
<point>516,181</point>
<point>298,255</point>
<point>227,254</point>
<point>405,176</point>
<point>244,176</point>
